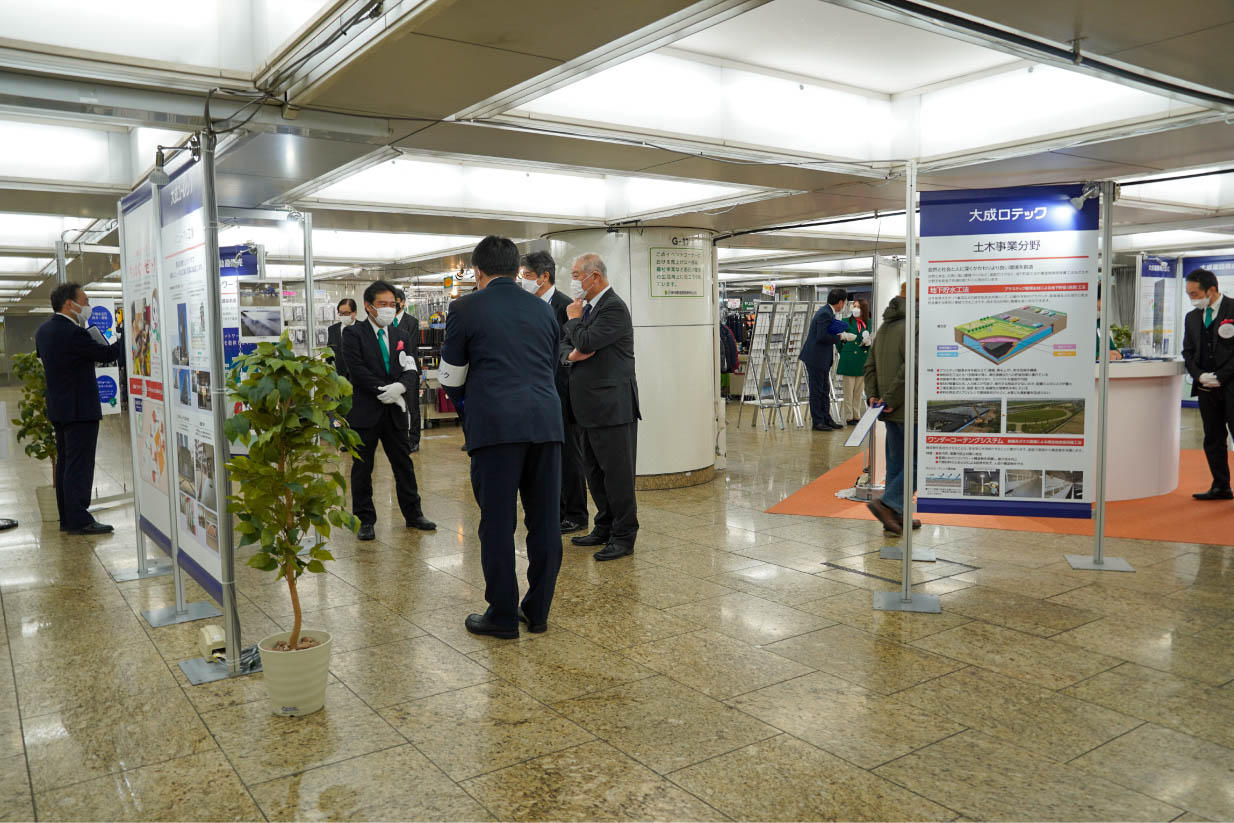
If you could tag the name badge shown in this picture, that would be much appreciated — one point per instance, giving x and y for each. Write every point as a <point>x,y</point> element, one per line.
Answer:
<point>1226,330</point>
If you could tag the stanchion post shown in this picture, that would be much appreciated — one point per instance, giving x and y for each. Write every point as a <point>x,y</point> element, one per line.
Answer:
<point>905,600</point>
<point>1098,561</point>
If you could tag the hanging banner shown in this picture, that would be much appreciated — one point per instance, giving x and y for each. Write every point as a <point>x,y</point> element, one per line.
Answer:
<point>185,269</point>
<point>144,363</point>
<point>1006,414</point>
<point>1155,334</point>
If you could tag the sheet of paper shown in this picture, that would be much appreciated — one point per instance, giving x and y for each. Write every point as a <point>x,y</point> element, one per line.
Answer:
<point>864,425</point>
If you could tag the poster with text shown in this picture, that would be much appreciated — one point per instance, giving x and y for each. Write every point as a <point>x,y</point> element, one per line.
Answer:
<point>1223,268</point>
<point>185,271</point>
<point>1155,333</point>
<point>143,359</point>
<point>1008,317</point>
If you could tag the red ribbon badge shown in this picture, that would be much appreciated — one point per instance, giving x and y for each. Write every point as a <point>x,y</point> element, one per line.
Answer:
<point>399,347</point>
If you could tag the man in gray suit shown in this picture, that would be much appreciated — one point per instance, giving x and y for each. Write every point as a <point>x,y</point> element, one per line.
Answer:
<point>598,339</point>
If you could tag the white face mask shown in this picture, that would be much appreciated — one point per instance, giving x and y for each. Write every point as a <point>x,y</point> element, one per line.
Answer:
<point>1200,302</point>
<point>576,289</point>
<point>529,286</point>
<point>385,316</point>
<point>347,319</point>
<point>856,311</point>
<point>82,315</point>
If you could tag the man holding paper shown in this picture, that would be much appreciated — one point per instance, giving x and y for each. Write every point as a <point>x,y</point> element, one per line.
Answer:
<point>1208,354</point>
<point>384,376</point>
<point>818,352</point>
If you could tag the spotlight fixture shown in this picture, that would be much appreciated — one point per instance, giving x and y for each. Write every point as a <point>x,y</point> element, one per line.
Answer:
<point>158,176</point>
<point>1090,190</point>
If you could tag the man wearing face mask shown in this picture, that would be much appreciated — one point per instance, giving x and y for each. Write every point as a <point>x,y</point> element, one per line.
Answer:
<point>69,353</point>
<point>536,273</point>
<point>598,340</point>
<point>334,335</point>
<point>409,324</point>
<point>384,375</point>
<point>1208,354</point>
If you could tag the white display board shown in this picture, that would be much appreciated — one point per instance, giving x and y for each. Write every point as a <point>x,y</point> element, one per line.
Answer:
<point>678,271</point>
<point>1006,410</point>
<point>1157,307</point>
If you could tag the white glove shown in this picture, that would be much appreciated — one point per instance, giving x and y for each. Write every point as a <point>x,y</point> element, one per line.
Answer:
<point>393,393</point>
<point>408,363</point>
<point>847,336</point>
<point>865,338</point>
<point>1210,380</point>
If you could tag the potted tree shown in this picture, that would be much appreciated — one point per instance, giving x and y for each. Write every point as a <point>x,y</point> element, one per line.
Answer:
<point>34,428</point>
<point>288,488</point>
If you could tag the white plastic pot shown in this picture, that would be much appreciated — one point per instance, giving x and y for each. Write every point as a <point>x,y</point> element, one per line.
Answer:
<point>296,680</point>
<point>46,495</point>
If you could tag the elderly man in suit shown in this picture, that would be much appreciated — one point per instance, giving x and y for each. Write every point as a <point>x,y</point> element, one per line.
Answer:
<point>536,274</point>
<point>818,353</point>
<point>598,342</point>
<point>384,376</point>
<point>334,335</point>
<point>69,354</point>
<point>1208,354</point>
<point>411,326</point>
<point>499,364</point>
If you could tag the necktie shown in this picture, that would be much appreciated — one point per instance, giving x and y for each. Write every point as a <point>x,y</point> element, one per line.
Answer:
<point>385,350</point>
<point>394,322</point>
<point>586,312</point>
<point>1208,317</point>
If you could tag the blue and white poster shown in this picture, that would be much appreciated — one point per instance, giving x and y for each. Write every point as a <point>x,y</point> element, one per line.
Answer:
<point>1157,306</point>
<point>1008,329</point>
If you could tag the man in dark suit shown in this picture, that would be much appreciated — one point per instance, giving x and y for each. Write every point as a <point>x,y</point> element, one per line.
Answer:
<point>409,324</point>
<point>537,272</point>
<point>69,353</point>
<point>818,352</point>
<point>499,364</point>
<point>598,340</point>
<point>334,335</point>
<point>383,373</point>
<point>1208,354</point>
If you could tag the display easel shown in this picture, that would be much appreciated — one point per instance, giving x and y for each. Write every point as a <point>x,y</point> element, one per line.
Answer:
<point>752,391</point>
<point>788,381</point>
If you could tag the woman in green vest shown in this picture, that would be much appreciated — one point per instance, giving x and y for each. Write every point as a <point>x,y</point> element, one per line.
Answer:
<point>852,364</point>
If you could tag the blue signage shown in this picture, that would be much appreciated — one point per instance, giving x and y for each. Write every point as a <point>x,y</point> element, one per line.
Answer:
<point>1220,266</point>
<point>101,319</point>
<point>238,261</point>
<point>1006,211</point>
<point>182,196</point>
<point>1153,266</point>
<point>109,392</point>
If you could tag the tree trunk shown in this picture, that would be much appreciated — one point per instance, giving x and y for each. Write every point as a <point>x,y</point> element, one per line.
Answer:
<point>294,640</point>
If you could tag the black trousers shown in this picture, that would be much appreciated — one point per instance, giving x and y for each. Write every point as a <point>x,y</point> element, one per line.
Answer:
<point>75,447</point>
<point>609,453</point>
<point>499,475</point>
<point>1217,415</point>
<point>413,412</point>
<point>391,432</point>
<point>820,394</point>
<point>573,478</point>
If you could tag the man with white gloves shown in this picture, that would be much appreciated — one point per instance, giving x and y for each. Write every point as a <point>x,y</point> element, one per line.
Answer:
<point>1208,354</point>
<point>382,367</point>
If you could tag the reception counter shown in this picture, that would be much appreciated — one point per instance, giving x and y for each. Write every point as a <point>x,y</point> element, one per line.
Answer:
<point>1143,446</point>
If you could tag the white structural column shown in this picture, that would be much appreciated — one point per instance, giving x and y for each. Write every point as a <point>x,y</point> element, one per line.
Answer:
<point>675,340</point>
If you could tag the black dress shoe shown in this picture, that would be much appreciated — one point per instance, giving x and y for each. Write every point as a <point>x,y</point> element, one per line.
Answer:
<point>612,551</point>
<point>423,524</point>
<point>480,624</point>
<point>414,448</point>
<point>1214,494</point>
<point>366,532</point>
<point>534,628</point>
<point>6,524</point>
<point>568,526</point>
<point>93,528</point>
<point>593,539</point>
<point>833,425</point>
<point>851,422</point>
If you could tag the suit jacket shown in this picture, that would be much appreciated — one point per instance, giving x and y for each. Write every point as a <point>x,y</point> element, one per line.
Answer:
<point>819,349</point>
<point>559,302</point>
<point>499,365</point>
<point>69,353</point>
<point>367,371</point>
<point>603,388</point>
<point>1196,338</point>
<point>411,325</point>
<point>334,339</point>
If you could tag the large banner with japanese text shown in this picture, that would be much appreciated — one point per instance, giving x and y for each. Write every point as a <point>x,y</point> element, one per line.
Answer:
<point>1008,330</point>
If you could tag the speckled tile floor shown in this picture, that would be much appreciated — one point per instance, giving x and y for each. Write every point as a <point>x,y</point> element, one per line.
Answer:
<point>722,672</point>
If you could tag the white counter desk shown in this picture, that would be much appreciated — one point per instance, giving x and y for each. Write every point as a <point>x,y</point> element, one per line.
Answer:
<point>1143,446</point>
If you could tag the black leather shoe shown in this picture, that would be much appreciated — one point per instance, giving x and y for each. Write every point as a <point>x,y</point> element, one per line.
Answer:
<point>366,532</point>
<point>6,524</point>
<point>852,422</point>
<point>93,528</point>
<point>479,624</point>
<point>821,427</point>
<point>423,524</point>
<point>1215,494</point>
<point>592,539</point>
<point>568,526</point>
<point>534,628</point>
<point>612,551</point>
<point>414,448</point>
<point>833,425</point>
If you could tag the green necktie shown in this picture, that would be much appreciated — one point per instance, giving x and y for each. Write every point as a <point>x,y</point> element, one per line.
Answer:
<point>1208,317</point>
<point>385,350</point>
<point>394,322</point>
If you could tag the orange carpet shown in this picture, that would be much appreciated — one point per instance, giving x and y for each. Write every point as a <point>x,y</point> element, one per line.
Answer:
<point>1171,517</point>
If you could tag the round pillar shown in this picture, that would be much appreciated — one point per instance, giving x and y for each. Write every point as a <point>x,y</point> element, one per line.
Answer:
<point>667,277</point>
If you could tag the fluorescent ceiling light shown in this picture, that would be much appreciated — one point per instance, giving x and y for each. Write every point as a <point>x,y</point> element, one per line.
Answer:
<point>467,186</point>
<point>730,253</point>
<point>851,264</point>
<point>1147,241</point>
<point>37,229</point>
<point>890,227</point>
<point>1214,192</point>
<point>349,245</point>
<point>24,265</point>
<point>52,152</point>
<point>291,271</point>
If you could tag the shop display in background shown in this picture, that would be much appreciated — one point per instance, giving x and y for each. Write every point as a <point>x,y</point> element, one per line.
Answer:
<point>1007,313</point>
